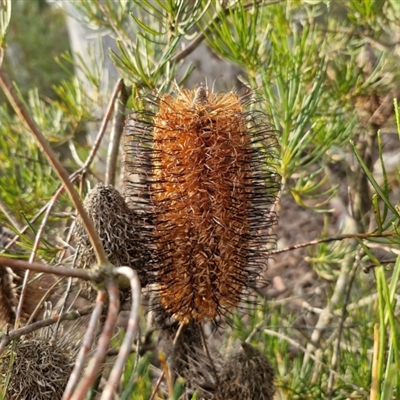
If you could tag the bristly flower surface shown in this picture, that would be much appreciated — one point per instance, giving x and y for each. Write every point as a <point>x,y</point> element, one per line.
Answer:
<point>205,183</point>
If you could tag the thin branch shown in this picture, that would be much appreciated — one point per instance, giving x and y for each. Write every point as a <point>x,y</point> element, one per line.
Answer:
<point>166,372</point>
<point>5,339</point>
<point>32,257</point>
<point>381,45</point>
<point>133,325</point>
<point>117,89</point>
<point>86,345</point>
<point>103,344</point>
<point>332,239</point>
<point>87,275</point>
<point>67,289</point>
<point>40,212</point>
<point>325,318</point>
<point>24,115</point>
<point>158,383</point>
<point>115,137</point>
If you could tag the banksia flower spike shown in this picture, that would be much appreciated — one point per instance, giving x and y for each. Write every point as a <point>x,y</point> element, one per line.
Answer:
<point>247,375</point>
<point>184,349</point>
<point>37,369</point>
<point>38,365</point>
<point>205,185</point>
<point>118,228</point>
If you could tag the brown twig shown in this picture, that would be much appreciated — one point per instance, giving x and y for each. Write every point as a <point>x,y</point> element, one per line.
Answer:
<point>32,257</point>
<point>117,89</point>
<point>69,284</point>
<point>70,316</point>
<point>103,344</point>
<point>166,372</point>
<point>86,345</point>
<point>158,383</point>
<point>87,275</point>
<point>332,239</point>
<point>24,115</point>
<point>115,137</point>
<point>40,212</point>
<point>125,350</point>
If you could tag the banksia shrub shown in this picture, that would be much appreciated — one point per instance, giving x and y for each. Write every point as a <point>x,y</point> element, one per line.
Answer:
<point>205,185</point>
<point>118,228</point>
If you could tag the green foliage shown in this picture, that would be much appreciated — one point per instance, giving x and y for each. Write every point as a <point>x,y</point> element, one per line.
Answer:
<point>136,378</point>
<point>322,69</point>
<point>146,38</point>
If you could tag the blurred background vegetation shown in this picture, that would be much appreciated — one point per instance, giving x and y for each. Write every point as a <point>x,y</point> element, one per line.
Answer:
<point>327,73</point>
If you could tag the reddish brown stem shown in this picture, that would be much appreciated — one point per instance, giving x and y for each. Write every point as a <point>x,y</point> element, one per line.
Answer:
<point>125,350</point>
<point>86,345</point>
<point>38,267</point>
<point>332,239</point>
<point>32,258</point>
<point>5,339</point>
<point>117,89</point>
<point>158,383</point>
<point>103,344</point>
<point>115,137</point>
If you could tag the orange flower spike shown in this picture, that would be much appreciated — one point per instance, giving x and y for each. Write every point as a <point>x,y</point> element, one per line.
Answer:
<point>209,201</point>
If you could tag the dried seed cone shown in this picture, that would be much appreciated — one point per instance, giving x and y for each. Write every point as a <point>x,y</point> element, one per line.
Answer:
<point>36,370</point>
<point>206,185</point>
<point>118,228</point>
<point>186,355</point>
<point>247,375</point>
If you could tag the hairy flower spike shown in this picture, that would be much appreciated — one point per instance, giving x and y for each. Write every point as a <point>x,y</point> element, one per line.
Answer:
<point>206,185</point>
